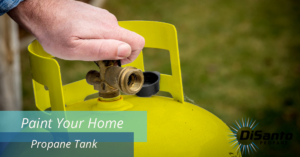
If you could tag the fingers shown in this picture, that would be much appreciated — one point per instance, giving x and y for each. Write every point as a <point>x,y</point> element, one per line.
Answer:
<point>120,44</point>
<point>136,42</point>
<point>131,58</point>
<point>101,49</point>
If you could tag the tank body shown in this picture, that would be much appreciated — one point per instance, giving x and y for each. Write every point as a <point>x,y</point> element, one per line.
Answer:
<point>173,128</point>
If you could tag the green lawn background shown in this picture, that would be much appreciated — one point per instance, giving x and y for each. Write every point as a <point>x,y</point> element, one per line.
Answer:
<point>238,59</point>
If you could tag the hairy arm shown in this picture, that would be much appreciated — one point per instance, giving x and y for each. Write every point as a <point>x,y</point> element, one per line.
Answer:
<point>74,30</point>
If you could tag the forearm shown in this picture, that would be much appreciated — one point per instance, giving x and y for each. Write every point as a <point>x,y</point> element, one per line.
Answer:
<point>34,14</point>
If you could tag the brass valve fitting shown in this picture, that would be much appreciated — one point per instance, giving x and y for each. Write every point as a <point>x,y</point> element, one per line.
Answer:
<point>112,79</point>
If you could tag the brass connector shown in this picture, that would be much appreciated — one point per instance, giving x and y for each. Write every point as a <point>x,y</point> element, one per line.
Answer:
<point>112,79</point>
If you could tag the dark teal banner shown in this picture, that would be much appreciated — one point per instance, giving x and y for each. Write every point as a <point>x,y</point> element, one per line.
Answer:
<point>71,133</point>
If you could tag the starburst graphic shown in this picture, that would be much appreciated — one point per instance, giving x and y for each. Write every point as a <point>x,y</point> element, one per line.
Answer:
<point>238,145</point>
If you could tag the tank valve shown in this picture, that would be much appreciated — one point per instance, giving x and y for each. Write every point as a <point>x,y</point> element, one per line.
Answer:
<point>111,79</point>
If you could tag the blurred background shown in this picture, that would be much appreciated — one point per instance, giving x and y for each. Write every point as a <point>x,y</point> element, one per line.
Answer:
<point>238,59</point>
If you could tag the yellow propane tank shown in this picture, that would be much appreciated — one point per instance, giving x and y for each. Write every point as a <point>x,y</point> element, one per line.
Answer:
<point>175,128</point>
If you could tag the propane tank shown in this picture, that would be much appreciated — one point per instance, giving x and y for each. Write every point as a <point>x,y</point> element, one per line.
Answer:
<point>174,127</point>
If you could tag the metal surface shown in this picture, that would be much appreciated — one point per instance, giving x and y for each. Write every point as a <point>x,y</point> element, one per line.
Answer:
<point>111,79</point>
<point>174,127</point>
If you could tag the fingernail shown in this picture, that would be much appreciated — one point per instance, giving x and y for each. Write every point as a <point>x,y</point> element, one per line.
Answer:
<point>124,50</point>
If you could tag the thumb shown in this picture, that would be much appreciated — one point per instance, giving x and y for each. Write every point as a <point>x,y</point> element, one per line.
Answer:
<point>101,49</point>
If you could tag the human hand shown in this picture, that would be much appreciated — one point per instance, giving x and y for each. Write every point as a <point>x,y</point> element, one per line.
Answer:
<point>74,30</point>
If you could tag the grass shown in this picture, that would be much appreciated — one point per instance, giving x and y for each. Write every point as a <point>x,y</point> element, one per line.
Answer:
<point>238,58</point>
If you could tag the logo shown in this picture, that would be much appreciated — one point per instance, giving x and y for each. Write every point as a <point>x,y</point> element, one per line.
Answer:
<point>245,138</point>
<point>238,129</point>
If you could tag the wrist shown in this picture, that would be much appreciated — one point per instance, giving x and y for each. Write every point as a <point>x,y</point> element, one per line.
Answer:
<point>34,14</point>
